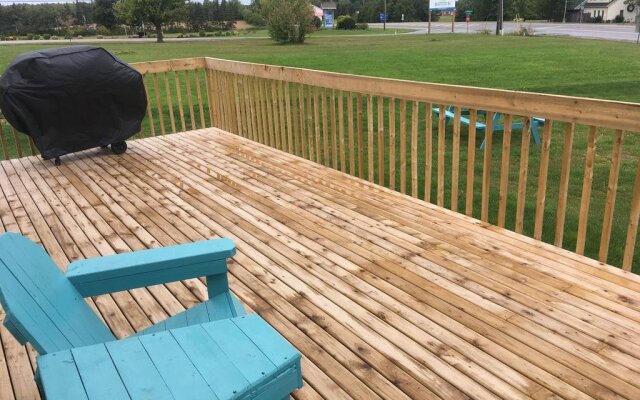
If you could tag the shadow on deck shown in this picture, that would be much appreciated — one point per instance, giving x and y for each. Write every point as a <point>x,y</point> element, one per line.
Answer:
<point>385,295</point>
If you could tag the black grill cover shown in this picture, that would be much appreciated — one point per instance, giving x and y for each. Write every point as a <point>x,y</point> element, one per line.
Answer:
<point>72,98</point>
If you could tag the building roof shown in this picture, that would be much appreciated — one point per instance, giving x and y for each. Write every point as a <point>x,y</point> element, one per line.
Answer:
<point>597,5</point>
<point>329,5</point>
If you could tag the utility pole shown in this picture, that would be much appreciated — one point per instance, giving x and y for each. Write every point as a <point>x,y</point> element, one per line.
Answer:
<point>384,17</point>
<point>564,16</point>
<point>429,11</point>
<point>499,30</point>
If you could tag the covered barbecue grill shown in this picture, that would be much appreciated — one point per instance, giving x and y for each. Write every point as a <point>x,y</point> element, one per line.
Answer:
<point>73,98</point>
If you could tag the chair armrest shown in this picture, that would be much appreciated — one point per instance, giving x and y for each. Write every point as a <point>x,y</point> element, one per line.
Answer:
<point>101,275</point>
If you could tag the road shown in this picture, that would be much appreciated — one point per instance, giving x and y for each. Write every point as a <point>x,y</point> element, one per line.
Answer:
<point>617,32</point>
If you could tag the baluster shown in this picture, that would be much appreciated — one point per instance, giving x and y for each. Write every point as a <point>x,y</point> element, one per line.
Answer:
<point>441,149</point>
<point>334,133</point>
<point>381,141</point>
<point>504,170</point>
<point>471,162</point>
<point>360,139</point>
<point>287,97</point>
<point>455,159</point>
<point>325,128</point>
<point>586,190</point>
<point>370,133</point>
<point>563,187</point>
<point>414,150</point>
<point>352,157</point>
<point>176,78</point>
<point>392,143</point>
<point>612,190</point>
<point>542,180</point>
<point>343,164</point>
<point>167,88</point>
<point>199,94</point>
<point>486,167</point>
<point>187,77</point>
<point>428,159</point>
<point>156,89</point>
<point>632,228</point>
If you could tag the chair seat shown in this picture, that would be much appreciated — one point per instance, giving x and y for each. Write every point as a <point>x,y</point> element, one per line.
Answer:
<point>209,310</point>
<point>235,358</point>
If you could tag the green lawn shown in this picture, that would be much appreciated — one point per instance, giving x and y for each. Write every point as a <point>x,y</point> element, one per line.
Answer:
<point>566,66</point>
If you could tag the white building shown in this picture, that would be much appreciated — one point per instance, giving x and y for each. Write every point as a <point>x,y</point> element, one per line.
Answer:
<point>609,9</point>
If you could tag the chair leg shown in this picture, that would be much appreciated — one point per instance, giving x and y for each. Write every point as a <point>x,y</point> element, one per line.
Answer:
<point>534,130</point>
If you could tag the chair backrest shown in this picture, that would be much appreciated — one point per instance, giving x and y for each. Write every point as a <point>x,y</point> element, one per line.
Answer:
<point>42,307</point>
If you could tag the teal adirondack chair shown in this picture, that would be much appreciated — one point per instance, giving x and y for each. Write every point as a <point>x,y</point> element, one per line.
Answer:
<point>496,126</point>
<point>46,308</point>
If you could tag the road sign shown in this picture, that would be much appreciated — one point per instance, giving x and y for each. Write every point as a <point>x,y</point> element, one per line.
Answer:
<point>442,4</point>
<point>382,17</point>
<point>468,13</point>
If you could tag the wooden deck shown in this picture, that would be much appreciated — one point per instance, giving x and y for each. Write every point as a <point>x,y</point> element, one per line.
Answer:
<point>386,296</point>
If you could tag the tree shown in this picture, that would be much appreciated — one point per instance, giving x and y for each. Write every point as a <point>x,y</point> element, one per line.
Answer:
<point>103,13</point>
<point>157,12</point>
<point>288,21</point>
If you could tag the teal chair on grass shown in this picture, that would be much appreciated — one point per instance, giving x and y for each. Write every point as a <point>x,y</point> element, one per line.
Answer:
<point>213,350</point>
<point>496,125</point>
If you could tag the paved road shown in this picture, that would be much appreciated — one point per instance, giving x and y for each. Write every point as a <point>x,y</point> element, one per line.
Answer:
<point>618,32</point>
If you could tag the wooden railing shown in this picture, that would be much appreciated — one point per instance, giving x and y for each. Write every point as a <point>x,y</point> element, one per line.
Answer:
<point>578,189</point>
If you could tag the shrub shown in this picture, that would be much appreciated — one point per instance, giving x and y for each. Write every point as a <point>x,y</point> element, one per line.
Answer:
<point>254,18</point>
<point>202,33</point>
<point>30,36</point>
<point>345,22</point>
<point>618,19</point>
<point>46,36</point>
<point>317,23</point>
<point>103,31</point>
<point>54,37</point>
<point>288,21</point>
<point>598,19</point>
<point>362,26</point>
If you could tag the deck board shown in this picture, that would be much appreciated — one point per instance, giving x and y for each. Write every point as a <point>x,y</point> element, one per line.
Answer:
<point>386,296</point>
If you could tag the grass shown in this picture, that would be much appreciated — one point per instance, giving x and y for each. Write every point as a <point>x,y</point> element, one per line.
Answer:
<point>566,66</point>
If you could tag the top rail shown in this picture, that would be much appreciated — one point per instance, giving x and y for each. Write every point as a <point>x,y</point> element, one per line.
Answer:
<point>612,114</point>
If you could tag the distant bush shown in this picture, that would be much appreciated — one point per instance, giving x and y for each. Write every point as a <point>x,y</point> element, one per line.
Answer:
<point>46,36</point>
<point>618,19</point>
<point>54,37</point>
<point>254,18</point>
<point>202,33</point>
<point>101,30</point>
<point>598,19</point>
<point>30,36</point>
<point>345,22</point>
<point>288,21</point>
<point>362,26</point>
<point>317,23</point>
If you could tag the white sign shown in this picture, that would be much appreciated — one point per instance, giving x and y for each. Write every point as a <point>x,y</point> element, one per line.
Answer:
<point>442,4</point>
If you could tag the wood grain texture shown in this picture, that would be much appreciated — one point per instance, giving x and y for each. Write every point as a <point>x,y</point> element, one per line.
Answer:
<point>386,296</point>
